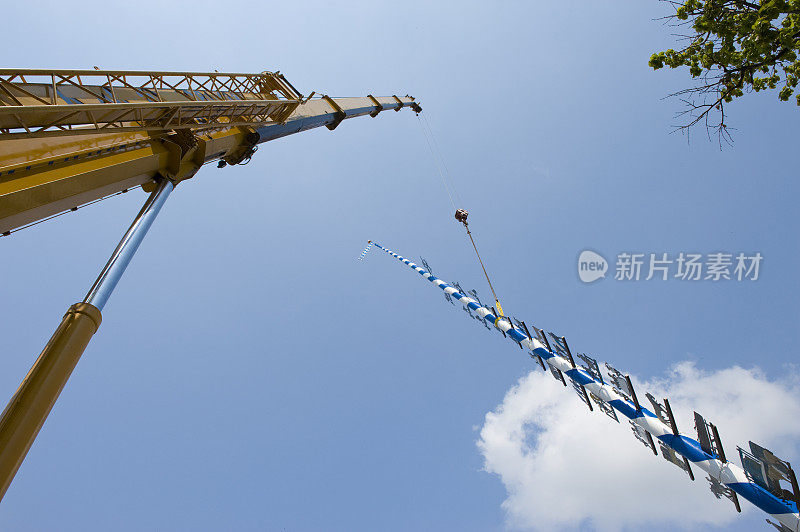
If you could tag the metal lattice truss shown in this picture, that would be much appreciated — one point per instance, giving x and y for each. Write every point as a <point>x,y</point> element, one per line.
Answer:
<point>44,103</point>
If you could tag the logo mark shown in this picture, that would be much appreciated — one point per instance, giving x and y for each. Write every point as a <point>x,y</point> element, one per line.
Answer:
<point>591,266</point>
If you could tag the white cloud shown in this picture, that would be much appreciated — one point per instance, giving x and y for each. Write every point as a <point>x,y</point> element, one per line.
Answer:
<point>564,467</point>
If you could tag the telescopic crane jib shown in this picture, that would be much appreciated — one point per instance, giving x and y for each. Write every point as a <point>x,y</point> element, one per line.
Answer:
<point>69,137</point>
<point>73,137</point>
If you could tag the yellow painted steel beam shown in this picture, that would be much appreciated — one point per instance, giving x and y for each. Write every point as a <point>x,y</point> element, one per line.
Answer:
<point>41,177</point>
<point>35,397</point>
<point>60,175</point>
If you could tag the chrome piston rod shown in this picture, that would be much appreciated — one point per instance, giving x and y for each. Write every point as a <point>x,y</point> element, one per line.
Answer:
<point>112,272</point>
<point>28,409</point>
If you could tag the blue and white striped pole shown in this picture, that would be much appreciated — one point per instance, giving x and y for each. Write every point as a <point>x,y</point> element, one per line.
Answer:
<point>727,473</point>
<point>366,250</point>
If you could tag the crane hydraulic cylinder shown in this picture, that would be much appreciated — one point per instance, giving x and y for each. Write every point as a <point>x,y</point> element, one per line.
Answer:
<point>35,397</point>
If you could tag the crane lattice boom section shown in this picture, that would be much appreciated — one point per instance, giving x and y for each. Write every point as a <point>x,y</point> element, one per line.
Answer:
<point>42,103</point>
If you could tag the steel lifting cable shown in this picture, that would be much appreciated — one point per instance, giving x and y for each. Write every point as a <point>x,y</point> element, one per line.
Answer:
<point>499,308</point>
<point>436,161</point>
<point>461,214</point>
<point>441,159</point>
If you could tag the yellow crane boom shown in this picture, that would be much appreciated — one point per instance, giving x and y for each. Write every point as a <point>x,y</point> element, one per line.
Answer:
<point>69,137</point>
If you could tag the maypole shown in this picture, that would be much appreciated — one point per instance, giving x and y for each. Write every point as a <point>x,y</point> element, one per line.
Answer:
<point>759,481</point>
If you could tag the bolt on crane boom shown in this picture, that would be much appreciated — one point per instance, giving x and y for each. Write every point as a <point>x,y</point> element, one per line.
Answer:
<point>71,137</point>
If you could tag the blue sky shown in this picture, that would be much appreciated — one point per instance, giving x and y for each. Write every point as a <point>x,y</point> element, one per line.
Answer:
<point>250,374</point>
